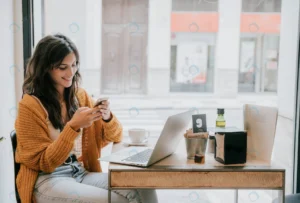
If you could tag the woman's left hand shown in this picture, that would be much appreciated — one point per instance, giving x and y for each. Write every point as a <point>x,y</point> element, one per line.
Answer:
<point>105,110</point>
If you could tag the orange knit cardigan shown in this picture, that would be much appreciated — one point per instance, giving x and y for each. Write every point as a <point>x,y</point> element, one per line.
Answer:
<point>37,152</point>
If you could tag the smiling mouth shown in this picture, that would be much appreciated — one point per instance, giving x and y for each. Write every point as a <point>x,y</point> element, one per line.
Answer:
<point>68,79</point>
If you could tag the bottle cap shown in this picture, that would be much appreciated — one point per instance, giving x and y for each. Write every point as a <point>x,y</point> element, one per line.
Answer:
<point>211,137</point>
<point>221,111</point>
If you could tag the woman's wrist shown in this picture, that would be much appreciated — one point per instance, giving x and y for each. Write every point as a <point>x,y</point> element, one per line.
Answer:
<point>108,119</point>
<point>74,126</point>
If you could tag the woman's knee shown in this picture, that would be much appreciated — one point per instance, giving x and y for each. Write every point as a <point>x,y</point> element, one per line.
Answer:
<point>66,190</point>
<point>99,180</point>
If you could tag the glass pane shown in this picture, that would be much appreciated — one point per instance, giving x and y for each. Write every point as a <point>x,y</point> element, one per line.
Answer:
<point>259,46</point>
<point>193,42</point>
<point>261,5</point>
<point>158,58</point>
<point>194,5</point>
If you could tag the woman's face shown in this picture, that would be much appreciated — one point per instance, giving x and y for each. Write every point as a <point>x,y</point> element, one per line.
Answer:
<point>64,73</point>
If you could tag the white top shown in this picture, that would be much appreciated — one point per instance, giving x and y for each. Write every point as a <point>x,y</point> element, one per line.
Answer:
<point>54,133</point>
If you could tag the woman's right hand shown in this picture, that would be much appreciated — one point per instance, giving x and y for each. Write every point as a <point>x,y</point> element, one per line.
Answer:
<point>84,117</point>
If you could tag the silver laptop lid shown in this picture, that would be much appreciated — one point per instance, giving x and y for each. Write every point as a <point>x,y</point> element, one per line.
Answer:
<point>170,136</point>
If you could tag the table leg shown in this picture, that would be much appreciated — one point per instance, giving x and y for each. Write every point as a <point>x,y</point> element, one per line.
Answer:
<point>109,195</point>
<point>109,188</point>
<point>236,196</point>
<point>281,197</point>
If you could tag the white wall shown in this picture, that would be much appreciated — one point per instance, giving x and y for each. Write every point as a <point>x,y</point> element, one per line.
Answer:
<point>82,24</point>
<point>93,38</point>
<point>289,30</point>
<point>227,48</point>
<point>159,48</point>
<point>159,39</point>
<point>67,17</point>
<point>11,64</point>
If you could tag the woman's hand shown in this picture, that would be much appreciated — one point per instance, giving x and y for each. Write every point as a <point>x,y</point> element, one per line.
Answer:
<point>105,110</point>
<point>84,117</point>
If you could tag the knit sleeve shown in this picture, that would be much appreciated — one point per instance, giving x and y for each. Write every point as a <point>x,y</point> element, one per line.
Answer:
<point>34,148</point>
<point>112,130</point>
<point>107,131</point>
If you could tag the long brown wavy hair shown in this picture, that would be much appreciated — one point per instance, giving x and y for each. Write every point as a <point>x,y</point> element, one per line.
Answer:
<point>49,54</point>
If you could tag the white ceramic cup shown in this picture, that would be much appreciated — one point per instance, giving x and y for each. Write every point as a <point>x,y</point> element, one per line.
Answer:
<point>138,135</point>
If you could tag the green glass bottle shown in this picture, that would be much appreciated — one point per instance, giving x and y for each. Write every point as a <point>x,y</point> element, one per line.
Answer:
<point>220,121</point>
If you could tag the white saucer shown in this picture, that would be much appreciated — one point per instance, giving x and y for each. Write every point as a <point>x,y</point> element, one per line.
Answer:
<point>129,143</point>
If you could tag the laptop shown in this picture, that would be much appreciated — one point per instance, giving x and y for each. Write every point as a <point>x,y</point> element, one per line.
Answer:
<point>166,144</point>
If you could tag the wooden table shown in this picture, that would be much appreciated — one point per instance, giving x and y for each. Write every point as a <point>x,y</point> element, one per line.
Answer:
<point>177,172</point>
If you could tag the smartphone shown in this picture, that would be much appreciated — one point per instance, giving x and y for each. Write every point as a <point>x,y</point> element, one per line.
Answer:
<point>100,100</point>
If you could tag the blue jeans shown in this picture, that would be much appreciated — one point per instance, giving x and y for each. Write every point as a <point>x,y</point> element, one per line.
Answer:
<point>71,183</point>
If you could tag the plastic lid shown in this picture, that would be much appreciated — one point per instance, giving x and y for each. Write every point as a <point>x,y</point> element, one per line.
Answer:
<point>221,111</point>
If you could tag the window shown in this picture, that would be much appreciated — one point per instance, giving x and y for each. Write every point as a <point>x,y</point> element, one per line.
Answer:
<point>193,43</point>
<point>259,46</point>
<point>261,6</point>
<point>156,58</point>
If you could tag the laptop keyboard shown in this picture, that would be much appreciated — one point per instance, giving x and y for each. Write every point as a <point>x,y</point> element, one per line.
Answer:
<point>143,156</point>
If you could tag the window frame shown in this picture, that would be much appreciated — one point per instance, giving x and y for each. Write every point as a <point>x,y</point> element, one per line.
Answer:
<point>27,14</point>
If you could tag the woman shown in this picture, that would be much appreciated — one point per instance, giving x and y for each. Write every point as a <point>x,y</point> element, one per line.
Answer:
<point>54,114</point>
